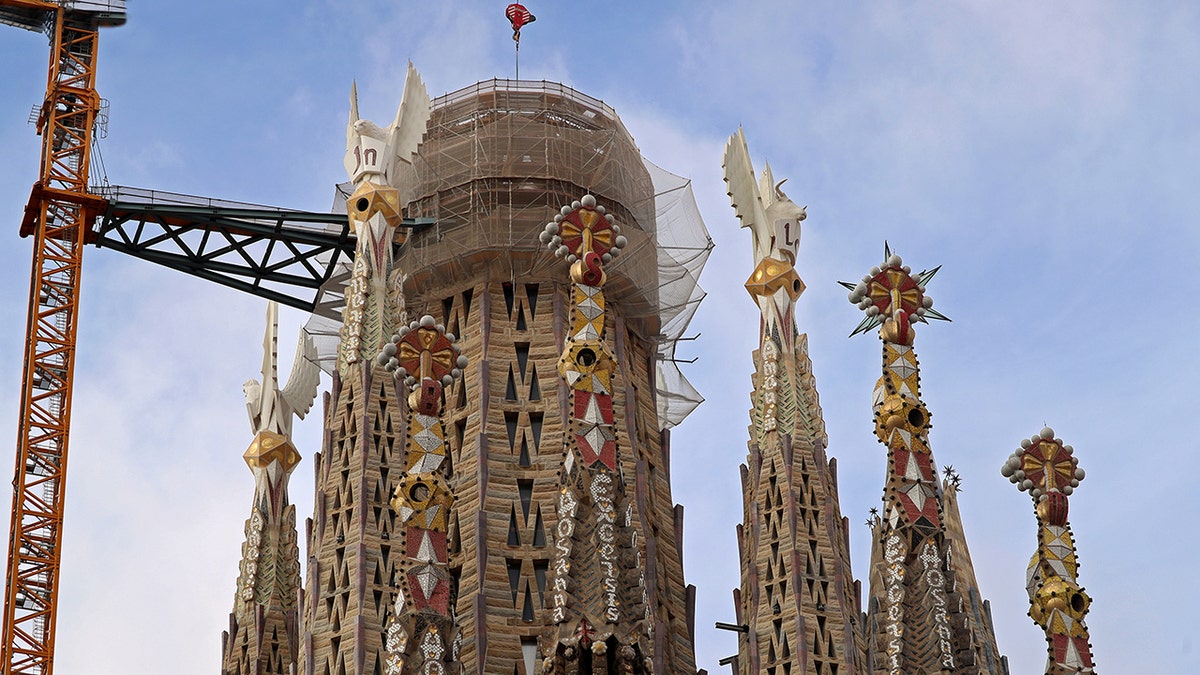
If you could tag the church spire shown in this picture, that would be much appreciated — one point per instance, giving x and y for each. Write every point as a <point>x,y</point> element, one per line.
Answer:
<point>422,633</point>
<point>262,636</point>
<point>1050,472</point>
<point>916,621</point>
<point>798,606</point>
<point>600,620</point>
<point>352,571</point>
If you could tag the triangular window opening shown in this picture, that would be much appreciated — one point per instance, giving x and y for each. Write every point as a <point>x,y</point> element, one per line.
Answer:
<point>540,567</point>
<point>514,577</point>
<point>535,389</point>
<point>539,532</point>
<point>510,423</point>
<point>460,432</point>
<point>466,304</point>
<point>527,609</point>
<point>525,490</point>
<point>514,536</point>
<point>529,654</point>
<point>508,297</point>
<point>531,297</point>
<point>522,349</point>
<point>510,389</point>
<point>535,424</point>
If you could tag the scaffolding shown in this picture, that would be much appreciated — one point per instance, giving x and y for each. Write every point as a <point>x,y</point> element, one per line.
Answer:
<point>498,160</point>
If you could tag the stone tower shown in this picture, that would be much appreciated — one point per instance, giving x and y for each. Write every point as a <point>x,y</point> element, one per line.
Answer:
<point>496,163</point>
<point>798,603</point>
<point>263,634</point>
<point>354,567</point>
<point>919,619</point>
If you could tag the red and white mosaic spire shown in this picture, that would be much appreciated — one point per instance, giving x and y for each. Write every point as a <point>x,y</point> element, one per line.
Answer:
<point>917,621</point>
<point>600,620</point>
<point>422,633</point>
<point>1050,472</point>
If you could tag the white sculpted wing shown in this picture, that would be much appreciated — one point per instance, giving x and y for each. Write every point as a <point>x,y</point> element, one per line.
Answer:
<point>739,177</point>
<point>744,194</point>
<point>411,118</point>
<point>302,384</point>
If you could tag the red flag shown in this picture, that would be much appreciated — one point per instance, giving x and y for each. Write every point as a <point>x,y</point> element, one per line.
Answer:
<point>519,16</point>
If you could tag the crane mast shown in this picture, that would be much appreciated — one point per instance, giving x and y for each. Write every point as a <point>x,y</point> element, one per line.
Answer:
<point>58,216</point>
<point>280,254</point>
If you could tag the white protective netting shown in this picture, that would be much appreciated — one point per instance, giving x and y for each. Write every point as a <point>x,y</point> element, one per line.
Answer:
<point>683,246</point>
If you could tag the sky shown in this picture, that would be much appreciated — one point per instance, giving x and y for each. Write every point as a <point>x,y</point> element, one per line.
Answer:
<point>1045,154</point>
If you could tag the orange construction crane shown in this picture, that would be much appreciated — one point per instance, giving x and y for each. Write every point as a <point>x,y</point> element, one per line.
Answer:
<point>59,216</point>
<point>285,255</point>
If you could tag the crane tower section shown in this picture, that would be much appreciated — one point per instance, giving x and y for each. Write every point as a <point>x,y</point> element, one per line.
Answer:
<point>57,216</point>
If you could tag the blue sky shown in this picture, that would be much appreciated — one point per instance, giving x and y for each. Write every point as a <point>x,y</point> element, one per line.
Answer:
<point>1045,154</point>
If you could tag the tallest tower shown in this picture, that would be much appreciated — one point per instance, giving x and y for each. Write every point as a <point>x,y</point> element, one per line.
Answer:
<point>498,160</point>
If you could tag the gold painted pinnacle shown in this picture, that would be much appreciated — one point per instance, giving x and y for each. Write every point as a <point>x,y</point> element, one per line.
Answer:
<point>771,275</point>
<point>269,446</point>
